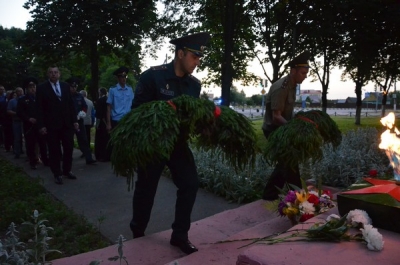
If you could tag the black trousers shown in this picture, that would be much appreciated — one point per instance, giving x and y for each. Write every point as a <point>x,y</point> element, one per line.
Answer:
<point>281,175</point>
<point>8,135</point>
<point>33,138</point>
<point>88,129</point>
<point>57,138</point>
<point>184,176</point>
<point>83,142</point>
<point>102,150</point>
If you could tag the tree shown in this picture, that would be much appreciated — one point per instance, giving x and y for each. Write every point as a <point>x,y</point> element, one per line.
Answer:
<point>278,25</point>
<point>14,64</point>
<point>323,38</point>
<point>386,68</point>
<point>90,27</point>
<point>361,45</point>
<point>230,50</point>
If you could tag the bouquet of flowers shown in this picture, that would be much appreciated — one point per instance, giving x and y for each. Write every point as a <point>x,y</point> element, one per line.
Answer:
<point>302,204</point>
<point>335,229</point>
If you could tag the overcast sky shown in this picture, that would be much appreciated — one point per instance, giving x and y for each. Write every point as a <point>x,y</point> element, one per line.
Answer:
<point>12,14</point>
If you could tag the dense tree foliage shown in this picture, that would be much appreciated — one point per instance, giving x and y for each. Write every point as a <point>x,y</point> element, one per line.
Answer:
<point>92,28</point>
<point>231,45</point>
<point>14,63</point>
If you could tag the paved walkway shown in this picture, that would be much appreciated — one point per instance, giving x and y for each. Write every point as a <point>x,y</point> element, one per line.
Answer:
<point>105,201</point>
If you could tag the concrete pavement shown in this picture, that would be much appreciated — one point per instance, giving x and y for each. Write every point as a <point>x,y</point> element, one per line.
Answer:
<point>105,201</point>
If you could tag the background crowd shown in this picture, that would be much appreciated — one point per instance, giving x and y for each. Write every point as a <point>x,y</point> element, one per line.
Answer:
<point>40,121</point>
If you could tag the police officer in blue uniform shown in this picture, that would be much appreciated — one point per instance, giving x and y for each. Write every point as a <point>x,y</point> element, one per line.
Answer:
<point>80,105</point>
<point>119,100</point>
<point>26,111</point>
<point>163,83</point>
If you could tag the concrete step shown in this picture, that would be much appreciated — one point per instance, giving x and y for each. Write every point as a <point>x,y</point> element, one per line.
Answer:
<point>227,252</point>
<point>155,249</point>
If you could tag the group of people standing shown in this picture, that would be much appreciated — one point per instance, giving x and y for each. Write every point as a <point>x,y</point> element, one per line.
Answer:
<point>53,111</point>
<point>49,115</point>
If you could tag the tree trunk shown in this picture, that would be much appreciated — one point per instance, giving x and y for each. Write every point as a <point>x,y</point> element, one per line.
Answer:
<point>94,69</point>
<point>226,71</point>
<point>324,97</point>
<point>383,104</point>
<point>359,102</point>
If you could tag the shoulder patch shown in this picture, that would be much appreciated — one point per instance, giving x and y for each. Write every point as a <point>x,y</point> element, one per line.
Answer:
<point>195,79</point>
<point>159,67</point>
<point>285,83</point>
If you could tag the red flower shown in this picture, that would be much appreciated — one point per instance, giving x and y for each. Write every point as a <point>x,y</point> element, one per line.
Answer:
<point>328,192</point>
<point>313,199</point>
<point>217,111</point>
<point>305,217</point>
<point>172,104</point>
<point>373,173</point>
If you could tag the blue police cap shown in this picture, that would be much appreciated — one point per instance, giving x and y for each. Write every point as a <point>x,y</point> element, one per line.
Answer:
<point>195,43</point>
<point>300,61</point>
<point>121,71</point>
<point>72,81</point>
<point>29,80</point>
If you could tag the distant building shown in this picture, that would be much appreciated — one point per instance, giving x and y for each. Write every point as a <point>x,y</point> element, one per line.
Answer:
<point>370,98</point>
<point>315,96</point>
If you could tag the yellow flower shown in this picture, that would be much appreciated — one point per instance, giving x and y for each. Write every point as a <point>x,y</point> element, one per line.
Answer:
<point>302,196</point>
<point>290,211</point>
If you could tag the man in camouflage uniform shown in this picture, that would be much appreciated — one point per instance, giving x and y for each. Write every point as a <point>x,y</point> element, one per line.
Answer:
<point>280,102</point>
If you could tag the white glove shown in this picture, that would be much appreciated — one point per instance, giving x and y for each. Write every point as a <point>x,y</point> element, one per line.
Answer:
<point>81,115</point>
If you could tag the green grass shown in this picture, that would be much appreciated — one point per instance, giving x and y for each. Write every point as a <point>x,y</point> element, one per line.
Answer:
<point>20,195</point>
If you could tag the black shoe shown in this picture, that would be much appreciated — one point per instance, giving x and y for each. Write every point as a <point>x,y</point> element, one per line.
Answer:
<point>70,175</point>
<point>91,162</point>
<point>82,156</point>
<point>184,245</point>
<point>137,234</point>
<point>58,180</point>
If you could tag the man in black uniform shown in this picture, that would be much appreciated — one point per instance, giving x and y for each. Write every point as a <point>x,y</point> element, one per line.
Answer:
<point>164,83</point>
<point>279,108</point>
<point>80,108</point>
<point>26,111</point>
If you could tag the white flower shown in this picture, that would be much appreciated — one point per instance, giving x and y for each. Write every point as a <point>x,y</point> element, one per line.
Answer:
<point>332,217</point>
<point>81,114</point>
<point>373,238</point>
<point>357,217</point>
<point>307,208</point>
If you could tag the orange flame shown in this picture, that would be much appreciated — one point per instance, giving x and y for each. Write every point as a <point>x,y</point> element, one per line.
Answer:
<point>391,143</point>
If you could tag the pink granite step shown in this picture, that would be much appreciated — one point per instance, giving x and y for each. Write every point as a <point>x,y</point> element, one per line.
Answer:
<point>226,253</point>
<point>311,253</point>
<point>155,249</point>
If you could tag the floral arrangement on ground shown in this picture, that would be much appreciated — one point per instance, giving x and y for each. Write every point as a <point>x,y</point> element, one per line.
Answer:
<point>334,229</point>
<point>356,225</point>
<point>299,205</point>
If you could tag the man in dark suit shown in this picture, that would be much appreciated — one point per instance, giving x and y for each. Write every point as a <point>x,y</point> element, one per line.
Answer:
<point>57,120</point>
